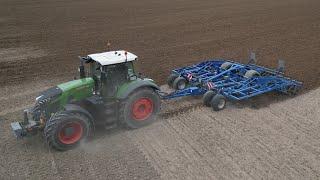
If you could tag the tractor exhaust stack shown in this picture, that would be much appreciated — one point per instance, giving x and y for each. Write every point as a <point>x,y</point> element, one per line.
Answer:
<point>81,69</point>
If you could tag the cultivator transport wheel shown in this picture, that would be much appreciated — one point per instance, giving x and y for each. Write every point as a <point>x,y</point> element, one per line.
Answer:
<point>140,108</point>
<point>171,78</point>
<point>251,73</point>
<point>207,97</point>
<point>292,90</point>
<point>226,65</point>
<point>65,130</point>
<point>218,102</point>
<point>179,83</point>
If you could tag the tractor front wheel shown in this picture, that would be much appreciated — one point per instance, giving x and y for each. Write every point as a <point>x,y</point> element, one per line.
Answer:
<point>140,108</point>
<point>65,130</point>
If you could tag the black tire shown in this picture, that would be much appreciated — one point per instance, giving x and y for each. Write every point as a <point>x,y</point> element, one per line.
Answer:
<point>292,90</point>
<point>179,83</point>
<point>251,73</point>
<point>218,102</point>
<point>226,65</point>
<point>56,129</point>
<point>206,99</point>
<point>170,79</point>
<point>130,114</point>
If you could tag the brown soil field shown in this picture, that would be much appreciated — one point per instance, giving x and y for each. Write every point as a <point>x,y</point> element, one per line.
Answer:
<point>188,141</point>
<point>39,45</point>
<point>40,40</point>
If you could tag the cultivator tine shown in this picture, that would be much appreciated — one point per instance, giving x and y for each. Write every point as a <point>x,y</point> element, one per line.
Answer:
<point>252,58</point>
<point>281,66</point>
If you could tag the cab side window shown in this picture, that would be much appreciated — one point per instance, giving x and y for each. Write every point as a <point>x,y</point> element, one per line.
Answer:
<point>116,75</point>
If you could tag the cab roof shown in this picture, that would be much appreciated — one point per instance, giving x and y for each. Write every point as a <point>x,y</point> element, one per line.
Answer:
<point>113,57</point>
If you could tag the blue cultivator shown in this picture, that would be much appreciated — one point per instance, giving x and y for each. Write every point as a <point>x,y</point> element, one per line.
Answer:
<point>218,80</point>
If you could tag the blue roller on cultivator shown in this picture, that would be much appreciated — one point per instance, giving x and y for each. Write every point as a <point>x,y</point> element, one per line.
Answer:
<point>218,80</point>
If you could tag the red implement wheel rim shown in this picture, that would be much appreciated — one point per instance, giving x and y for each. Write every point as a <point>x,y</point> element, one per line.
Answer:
<point>70,137</point>
<point>142,109</point>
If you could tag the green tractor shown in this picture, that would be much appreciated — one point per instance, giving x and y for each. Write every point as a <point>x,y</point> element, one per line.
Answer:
<point>109,93</point>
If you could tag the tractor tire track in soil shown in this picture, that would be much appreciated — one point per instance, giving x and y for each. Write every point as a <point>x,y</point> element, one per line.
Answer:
<point>255,139</point>
<point>109,155</point>
<point>279,141</point>
<point>275,142</point>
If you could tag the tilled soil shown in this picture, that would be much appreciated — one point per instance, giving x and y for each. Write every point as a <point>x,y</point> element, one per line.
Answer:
<point>276,142</point>
<point>39,45</point>
<point>42,39</point>
<point>280,141</point>
<point>110,155</point>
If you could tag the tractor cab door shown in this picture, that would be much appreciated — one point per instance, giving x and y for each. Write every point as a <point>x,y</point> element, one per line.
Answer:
<point>114,76</point>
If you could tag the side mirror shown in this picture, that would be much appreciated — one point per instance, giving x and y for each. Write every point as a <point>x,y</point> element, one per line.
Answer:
<point>140,75</point>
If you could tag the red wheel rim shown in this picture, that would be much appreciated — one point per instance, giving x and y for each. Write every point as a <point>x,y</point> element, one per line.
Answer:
<point>142,109</point>
<point>70,133</point>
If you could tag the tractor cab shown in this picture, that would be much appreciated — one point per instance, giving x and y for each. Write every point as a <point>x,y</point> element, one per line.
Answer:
<point>110,70</point>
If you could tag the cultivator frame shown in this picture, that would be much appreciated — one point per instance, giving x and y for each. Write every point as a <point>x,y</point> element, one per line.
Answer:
<point>233,80</point>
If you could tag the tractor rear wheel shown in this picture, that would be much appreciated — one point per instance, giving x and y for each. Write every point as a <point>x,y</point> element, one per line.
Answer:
<point>140,108</point>
<point>218,102</point>
<point>65,130</point>
<point>171,78</point>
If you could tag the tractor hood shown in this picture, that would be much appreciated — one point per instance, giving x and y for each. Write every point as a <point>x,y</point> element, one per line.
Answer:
<point>76,84</point>
<point>49,94</point>
<point>76,89</point>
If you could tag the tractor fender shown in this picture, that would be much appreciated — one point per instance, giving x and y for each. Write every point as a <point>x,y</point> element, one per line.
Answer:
<point>131,87</point>
<point>77,108</point>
